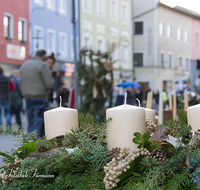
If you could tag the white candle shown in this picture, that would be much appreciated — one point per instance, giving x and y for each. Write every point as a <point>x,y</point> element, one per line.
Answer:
<point>186,103</point>
<point>148,99</point>
<point>170,102</point>
<point>59,121</point>
<point>150,113</point>
<point>151,100</point>
<point>126,120</point>
<point>193,113</point>
<point>174,106</point>
<point>160,119</point>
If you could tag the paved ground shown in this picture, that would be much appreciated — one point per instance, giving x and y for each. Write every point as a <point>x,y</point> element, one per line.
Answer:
<point>6,142</point>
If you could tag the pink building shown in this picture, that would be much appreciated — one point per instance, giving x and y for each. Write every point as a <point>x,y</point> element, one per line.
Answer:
<point>195,39</point>
<point>14,33</point>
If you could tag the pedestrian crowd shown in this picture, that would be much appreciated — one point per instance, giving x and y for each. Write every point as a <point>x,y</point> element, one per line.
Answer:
<point>38,85</point>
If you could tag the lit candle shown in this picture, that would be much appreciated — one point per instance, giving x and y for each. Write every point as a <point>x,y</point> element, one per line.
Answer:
<point>59,121</point>
<point>193,116</point>
<point>186,104</point>
<point>160,119</point>
<point>170,102</point>
<point>150,114</point>
<point>174,106</point>
<point>126,120</point>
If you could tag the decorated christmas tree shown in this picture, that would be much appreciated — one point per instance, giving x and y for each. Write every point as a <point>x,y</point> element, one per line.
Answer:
<point>96,77</point>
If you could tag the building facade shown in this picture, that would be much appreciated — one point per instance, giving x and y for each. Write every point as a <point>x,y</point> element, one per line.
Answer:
<point>162,44</point>
<point>14,35</point>
<point>51,28</point>
<point>105,24</point>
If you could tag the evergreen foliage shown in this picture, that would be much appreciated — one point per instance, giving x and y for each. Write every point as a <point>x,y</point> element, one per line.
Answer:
<point>82,155</point>
<point>95,76</point>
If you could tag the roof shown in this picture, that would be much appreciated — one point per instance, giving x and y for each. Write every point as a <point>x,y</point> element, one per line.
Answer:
<point>183,11</point>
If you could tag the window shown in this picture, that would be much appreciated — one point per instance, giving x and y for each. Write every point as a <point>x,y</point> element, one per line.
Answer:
<point>39,2</point>
<point>87,42</point>
<point>124,13</point>
<point>38,37</point>
<point>100,46</point>
<point>138,59</point>
<point>8,26</point>
<point>179,34</point>
<point>51,41</point>
<point>22,30</point>
<point>125,53</point>
<point>114,9</point>
<point>114,51</point>
<point>100,7</point>
<point>169,31</point>
<point>51,4</point>
<point>63,44</point>
<point>62,6</point>
<point>187,64</point>
<point>87,4</point>
<point>162,60</point>
<point>180,62</point>
<point>72,46</point>
<point>139,28</point>
<point>187,36</point>
<point>170,61</point>
<point>197,38</point>
<point>161,28</point>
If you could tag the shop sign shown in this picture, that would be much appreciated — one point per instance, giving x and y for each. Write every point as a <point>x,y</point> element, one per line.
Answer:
<point>69,69</point>
<point>15,52</point>
<point>125,75</point>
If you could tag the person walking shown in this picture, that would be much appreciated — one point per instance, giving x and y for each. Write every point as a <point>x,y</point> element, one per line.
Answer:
<point>156,97</point>
<point>6,87</point>
<point>16,97</point>
<point>35,81</point>
<point>50,61</point>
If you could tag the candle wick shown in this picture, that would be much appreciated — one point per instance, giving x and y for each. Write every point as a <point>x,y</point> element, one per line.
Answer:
<point>125,97</point>
<point>138,101</point>
<point>60,101</point>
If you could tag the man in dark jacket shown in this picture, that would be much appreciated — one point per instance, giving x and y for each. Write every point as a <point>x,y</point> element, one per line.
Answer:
<point>16,97</point>
<point>35,82</point>
<point>5,89</point>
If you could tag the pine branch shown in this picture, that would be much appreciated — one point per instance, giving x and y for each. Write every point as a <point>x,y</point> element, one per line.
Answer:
<point>178,181</point>
<point>6,155</point>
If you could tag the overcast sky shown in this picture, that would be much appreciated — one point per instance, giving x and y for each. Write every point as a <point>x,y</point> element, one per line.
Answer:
<point>189,4</point>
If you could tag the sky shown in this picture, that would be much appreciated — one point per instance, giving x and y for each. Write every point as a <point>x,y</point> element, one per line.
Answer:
<point>189,4</point>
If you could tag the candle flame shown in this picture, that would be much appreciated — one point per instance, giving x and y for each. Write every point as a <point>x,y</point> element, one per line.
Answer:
<point>138,101</point>
<point>60,101</point>
<point>125,97</point>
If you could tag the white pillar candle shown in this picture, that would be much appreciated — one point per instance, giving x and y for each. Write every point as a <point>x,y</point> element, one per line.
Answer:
<point>170,102</point>
<point>59,121</point>
<point>160,119</point>
<point>174,106</point>
<point>148,99</point>
<point>186,103</point>
<point>126,120</point>
<point>193,113</point>
<point>151,100</point>
<point>150,113</point>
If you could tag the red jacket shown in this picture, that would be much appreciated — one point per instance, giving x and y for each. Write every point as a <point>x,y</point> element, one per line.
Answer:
<point>12,86</point>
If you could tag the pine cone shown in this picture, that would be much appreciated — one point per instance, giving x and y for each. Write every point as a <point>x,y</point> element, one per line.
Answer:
<point>114,153</point>
<point>159,155</point>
